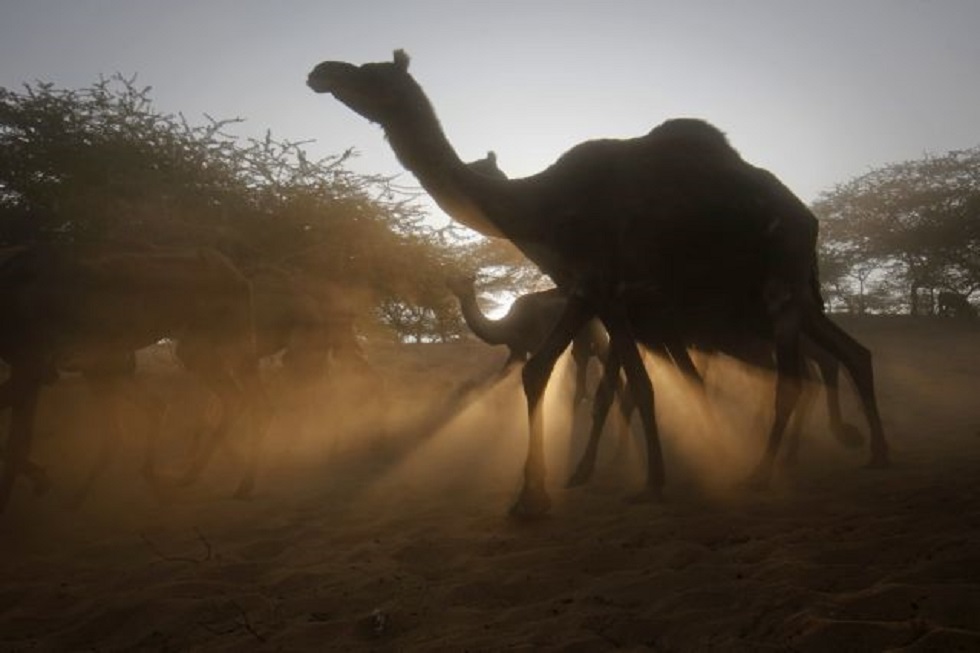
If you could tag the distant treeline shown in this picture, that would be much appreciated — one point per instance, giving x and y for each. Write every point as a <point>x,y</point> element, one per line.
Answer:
<point>904,238</point>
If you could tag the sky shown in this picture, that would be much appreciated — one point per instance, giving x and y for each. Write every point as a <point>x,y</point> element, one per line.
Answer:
<point>817,92</point>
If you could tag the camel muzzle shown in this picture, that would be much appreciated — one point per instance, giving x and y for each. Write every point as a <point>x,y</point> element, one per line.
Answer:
<point>326,75</point>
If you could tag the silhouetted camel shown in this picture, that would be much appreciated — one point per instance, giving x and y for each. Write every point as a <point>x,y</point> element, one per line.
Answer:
<point>309,331</point>
<point>309,322</point>
<point>533,316</point>
<point>669,234</point>
<point>67,308</point>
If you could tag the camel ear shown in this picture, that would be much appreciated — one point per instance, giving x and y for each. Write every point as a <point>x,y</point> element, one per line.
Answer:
<point>401,60</point>
<point>492,157</point>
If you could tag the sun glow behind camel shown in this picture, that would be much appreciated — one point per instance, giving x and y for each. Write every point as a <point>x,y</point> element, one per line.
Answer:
<point>711,440</point>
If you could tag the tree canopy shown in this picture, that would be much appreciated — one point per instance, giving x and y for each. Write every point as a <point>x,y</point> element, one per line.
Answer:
<point>101,164</point>
<point>895,238</point>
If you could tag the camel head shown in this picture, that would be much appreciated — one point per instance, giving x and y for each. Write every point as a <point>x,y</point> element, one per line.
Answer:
<point>377,91</point>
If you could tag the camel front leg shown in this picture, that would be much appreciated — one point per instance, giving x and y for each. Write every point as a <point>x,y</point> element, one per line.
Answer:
<point>24,393</point>
<point>154,411</point>
<point>605,393</point>
<point>533,500</point>
<point>104,390</point>
<point>223,384</point>
<point>641,389</point>
<point>582,349</point>
<point>261,414</point>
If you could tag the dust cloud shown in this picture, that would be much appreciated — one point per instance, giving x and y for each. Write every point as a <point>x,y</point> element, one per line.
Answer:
<point>379,516</point>
<point>441,425</point>
<point>438,423</point>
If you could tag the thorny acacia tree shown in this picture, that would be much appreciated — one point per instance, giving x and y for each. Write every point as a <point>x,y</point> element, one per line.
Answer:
<point>100,164</point>
<point>903,233</point>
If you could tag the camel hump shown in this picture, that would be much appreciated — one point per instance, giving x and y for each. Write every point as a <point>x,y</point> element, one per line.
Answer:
<point>693,134</point>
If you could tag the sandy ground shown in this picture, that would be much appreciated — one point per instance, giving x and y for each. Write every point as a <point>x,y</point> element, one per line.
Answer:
<point>363,538</point>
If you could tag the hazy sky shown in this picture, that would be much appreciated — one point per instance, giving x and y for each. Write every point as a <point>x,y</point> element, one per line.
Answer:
<point>817,92</point>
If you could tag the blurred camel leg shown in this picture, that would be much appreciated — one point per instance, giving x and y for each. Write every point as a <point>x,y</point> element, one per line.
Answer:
<point>23,392</point>
<point>111,392</point>
<point>37,474</point>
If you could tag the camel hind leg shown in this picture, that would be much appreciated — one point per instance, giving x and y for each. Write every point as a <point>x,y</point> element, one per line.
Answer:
<point>37,474</point>
<point>789,386</point>
<point>533,500</point>
<point>611,386</point>
<point>230,402</point>
<point>856,358</point>
<point>639,384</point>
<point>808,396</point>
<point>261,414</point>
<point>600,409</point>
<point>110,390</point>
<point>845,432</point>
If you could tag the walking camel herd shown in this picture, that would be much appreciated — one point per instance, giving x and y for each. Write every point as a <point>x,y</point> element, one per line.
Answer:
<point>89,309</point>
<point>669,241</point>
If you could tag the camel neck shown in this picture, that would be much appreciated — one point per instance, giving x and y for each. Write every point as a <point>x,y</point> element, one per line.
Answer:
<point>483,203</point>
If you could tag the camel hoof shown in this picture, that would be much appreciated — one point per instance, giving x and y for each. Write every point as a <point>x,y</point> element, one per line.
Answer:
<point>531,505</point>
<point>850,436</point>
<point>647,495</point>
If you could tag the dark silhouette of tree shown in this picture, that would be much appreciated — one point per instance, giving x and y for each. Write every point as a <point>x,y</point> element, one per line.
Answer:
<point>101,164</point>
<point>914,226</point>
